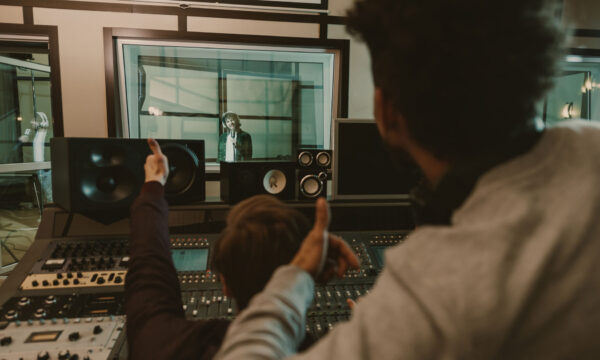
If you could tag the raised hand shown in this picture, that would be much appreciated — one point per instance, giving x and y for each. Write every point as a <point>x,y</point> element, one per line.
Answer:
<point>157,164</point>
<point>321,254</point>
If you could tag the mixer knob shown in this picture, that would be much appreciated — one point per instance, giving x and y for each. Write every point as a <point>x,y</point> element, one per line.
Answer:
<point>39,313</point>
<point>64,355</point>
<point>97,329</point>
<point>69,275</point>
<point>51,299</point>
<point>45,283</point>
<point>43,355</point>
<point>55,282</point>
<point>100,280</point>
<point>35,283</point>
<point>23,301</point>
<point>118,279</point>
<point>74,336</point>
<point>5,341</point>
<point>10,315</point>
<point>59,276</point>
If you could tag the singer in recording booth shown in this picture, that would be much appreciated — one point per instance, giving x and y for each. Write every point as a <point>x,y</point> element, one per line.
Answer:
<point>234,143</point>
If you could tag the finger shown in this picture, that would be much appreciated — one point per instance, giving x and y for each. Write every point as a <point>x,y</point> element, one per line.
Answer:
<point>344,251</point>
<point>351,303</point>
<point>321,215</point>
<point>154,146</point>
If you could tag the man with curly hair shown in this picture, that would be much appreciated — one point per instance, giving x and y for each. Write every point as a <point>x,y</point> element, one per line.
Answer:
<point>507,262</point>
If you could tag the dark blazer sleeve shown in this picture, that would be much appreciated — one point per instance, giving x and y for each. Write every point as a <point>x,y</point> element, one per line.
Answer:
<point>222,144</point>
<point>156,324</point>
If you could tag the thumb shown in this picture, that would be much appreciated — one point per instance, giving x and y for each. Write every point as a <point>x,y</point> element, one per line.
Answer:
<point>322,215</point>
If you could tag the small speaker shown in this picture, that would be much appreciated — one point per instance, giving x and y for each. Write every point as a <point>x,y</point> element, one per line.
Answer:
<point>241,180</point>
<point>92,176</point>
<point>315,159</point>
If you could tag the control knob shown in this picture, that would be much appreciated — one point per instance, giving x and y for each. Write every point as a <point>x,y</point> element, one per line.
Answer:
<point>43,355</point>
<point>64,355</point>
<point>23,301</point>
<point>39,313</point>
<point>11,315</point>
<point>5,341</point>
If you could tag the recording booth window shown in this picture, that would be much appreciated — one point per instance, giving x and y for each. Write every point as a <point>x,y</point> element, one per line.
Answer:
<point>26,126</point>
<point>283,95</point>
<point>576,91</point>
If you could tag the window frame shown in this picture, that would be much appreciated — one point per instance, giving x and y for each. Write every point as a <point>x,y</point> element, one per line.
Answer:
<point>49,34</point>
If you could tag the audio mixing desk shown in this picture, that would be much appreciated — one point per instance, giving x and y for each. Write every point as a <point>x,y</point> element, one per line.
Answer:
<point>65,299</point>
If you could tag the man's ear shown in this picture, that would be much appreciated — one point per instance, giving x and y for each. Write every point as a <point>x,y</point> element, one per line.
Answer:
<point>226,291</point>
<point>390,123</point>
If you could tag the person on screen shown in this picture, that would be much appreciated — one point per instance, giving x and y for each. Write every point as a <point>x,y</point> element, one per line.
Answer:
<point>261,234</point>
<point>506,264</point>
<point>234,144</point>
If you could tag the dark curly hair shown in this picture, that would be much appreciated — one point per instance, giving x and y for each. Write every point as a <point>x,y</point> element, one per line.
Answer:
<point>465,74</point>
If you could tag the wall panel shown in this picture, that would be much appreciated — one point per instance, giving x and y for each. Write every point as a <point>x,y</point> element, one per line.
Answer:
<point>11,14</point>
<point>81,46</point>
<point>252,27</point>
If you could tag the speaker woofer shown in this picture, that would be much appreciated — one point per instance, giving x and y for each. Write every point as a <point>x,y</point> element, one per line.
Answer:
<point>311,186</point>
<point>323,159</point>
<point>305,159</point>
<point>182,168</point>
<point>108,185</point>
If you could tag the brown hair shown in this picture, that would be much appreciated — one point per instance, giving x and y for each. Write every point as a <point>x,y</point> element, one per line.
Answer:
<point>261,234</point>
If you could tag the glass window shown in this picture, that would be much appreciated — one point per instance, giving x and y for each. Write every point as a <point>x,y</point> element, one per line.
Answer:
<point>26,126</point>
<point>576,92</point>
<point>283,96</point>
<point>25,107</point>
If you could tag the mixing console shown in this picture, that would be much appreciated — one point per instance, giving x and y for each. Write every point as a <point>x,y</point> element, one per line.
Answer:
<point>70,303</point>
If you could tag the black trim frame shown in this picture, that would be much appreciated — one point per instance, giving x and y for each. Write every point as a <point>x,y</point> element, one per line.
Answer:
<point>250,14</point>
<point>53,58</point>
<point>112,88</point>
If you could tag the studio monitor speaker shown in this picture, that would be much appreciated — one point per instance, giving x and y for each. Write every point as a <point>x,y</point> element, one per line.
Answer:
<point>313,165</point>
<point>241,180</point>
<point>314,159</point>
<point>92,176</point>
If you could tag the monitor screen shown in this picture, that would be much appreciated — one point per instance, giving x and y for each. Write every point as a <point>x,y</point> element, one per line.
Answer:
<point>190,259</point>
<point>363,168</point>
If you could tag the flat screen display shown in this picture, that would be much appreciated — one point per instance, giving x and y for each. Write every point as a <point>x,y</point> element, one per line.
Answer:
<point>379,252</point>
<point>363,168</point>
<point>190,259</point>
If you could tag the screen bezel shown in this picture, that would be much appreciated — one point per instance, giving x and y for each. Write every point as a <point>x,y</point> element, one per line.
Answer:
<point>335,168</point>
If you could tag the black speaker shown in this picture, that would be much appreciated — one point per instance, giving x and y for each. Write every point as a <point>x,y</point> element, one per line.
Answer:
<point>241,180</point>
<point>313,166</point>
<point>314,159</point>
<point>92,175</point>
